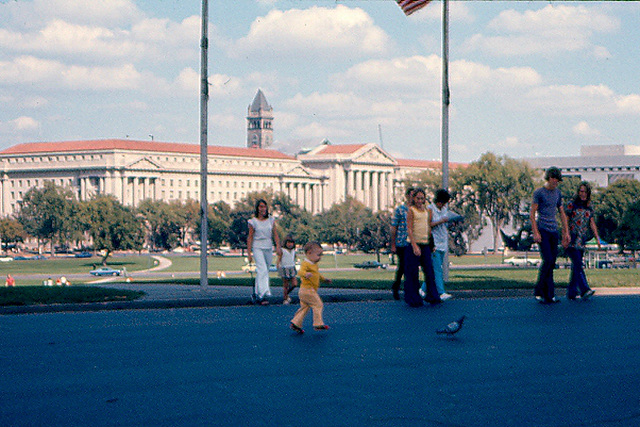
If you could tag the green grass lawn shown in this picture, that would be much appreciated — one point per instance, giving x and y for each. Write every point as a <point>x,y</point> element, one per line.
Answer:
<point>30,295</point>
<point>61,266</point>
<point>511,278</point>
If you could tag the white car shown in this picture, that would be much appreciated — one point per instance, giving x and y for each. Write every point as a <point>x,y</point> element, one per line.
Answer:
<point>521,260</point>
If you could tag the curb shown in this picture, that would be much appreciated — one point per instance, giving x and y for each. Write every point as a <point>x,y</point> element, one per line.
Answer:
<point>237,301</point>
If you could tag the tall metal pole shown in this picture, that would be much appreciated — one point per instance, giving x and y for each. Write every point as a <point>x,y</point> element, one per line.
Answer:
<point>204,98</point>
<point>445,94</point>
<point>445,114</point>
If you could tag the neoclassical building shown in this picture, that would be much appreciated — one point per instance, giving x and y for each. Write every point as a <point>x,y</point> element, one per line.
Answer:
<point>133,171</point>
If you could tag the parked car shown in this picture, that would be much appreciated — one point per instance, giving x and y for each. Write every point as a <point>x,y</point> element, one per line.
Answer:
<point>105,271</point>
<point>83,255</point>
<point>217,252</point>
<point>27,258</point>
<point>370,264</point>
<point>521,260</point>
<point>251,268</point>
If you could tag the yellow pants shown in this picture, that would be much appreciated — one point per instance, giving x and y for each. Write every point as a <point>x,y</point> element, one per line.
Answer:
<point>309,299</point>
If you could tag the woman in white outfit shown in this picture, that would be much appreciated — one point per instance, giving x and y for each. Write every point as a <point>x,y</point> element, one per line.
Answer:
<point>262,234</point>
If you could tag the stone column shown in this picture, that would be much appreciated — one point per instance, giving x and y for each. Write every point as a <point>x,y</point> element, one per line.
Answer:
<point>3,196</point>
<point>367,189</point>
<point>375,193</point>
<point>134,197</point>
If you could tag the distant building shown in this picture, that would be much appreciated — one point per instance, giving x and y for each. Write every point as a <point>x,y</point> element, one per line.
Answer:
<point>259,122</point>
<point>132,171</point>
<point>601,164</point>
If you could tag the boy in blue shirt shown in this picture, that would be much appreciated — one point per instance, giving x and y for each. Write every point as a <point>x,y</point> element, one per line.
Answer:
<point>547,202</point>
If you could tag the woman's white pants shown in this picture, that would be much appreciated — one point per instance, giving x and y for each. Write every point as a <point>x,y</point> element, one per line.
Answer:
<point>263,258</point>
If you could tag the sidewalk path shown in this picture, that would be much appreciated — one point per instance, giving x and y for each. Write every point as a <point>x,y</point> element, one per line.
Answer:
<point>183,296</point>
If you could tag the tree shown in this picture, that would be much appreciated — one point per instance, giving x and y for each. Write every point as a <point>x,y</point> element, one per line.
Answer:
<point>163,224</point>
<point>375,233</point>
<point>629,230</point>
<point>569,188</point>
<point>48,212</point>
<point>11,231</point>
<point>610,205</point>
<point>343,222</point>
<point>112,226</point>
<point>499,185</point>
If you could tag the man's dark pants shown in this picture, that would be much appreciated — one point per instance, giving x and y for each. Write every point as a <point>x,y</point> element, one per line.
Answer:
<point>549,253</point>
<point>400,252</point>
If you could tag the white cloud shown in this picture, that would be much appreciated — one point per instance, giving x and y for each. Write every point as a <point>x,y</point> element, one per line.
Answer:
<point>629,104</point>
<point>419,77</point>
<point>334,33</point>
<point>415,77</point>
<point>54,74</point>
<point>162,40</point>
<point>550,30</point>
<point>584,129</point>
<point>572,100</point>
<point>25,123</point>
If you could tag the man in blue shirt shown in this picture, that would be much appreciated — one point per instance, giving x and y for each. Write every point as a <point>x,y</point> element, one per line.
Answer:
<point>400,239</point>
<point>547,202</point>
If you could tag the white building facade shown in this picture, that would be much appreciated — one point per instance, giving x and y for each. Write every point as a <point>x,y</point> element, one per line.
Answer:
<point>133,171</point>
<point>601,164</point>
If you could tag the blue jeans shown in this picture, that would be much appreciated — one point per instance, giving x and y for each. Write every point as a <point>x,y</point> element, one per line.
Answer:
<point>578,279</point>
<point>549,253</point>
<point>437,257</point>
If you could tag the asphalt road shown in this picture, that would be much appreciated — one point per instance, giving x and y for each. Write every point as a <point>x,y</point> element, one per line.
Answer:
<point>515,363</point>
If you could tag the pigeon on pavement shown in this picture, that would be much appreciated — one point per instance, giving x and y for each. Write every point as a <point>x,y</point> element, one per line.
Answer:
<point>452,327</point>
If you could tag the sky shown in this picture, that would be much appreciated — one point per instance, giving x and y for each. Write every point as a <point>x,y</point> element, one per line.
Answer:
<point>526,78</point>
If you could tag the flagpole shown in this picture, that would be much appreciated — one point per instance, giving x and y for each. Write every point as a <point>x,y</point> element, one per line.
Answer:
<point>204,97</point>
<point>445,114</point>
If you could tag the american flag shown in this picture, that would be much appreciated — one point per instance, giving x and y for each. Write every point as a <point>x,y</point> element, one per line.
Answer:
<point>410,6</point>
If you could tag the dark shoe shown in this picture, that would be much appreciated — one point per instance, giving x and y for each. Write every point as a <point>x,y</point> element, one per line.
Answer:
<point>321,328</point>
<point>296,328</point>
<point>587,294</point>
<point>553,300</point>
<point>571,298</point>
<point>396,294</point>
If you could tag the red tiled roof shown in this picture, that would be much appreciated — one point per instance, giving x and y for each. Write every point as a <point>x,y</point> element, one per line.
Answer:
<point>341,149</point>
<point>131,145</point>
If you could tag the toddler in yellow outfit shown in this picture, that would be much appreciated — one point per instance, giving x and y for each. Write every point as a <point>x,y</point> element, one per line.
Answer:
<point>310,279</point>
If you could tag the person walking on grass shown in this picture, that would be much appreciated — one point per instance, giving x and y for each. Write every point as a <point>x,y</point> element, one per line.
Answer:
<point>547,203</point>
<point>263,233</point>
<point>287,268</point>
<point>399,240</point>
<point>310,279</point>
<point>419,254</point>
<point>580,218</point>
